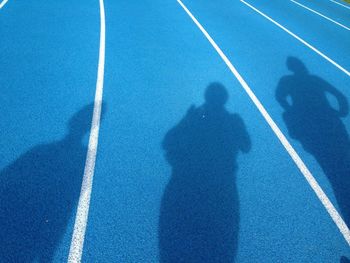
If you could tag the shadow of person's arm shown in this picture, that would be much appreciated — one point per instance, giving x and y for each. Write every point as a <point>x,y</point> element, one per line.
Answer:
<point>341,99</point>
<point>244,142</point>
<point>175,141</point>
<point>282,92</point>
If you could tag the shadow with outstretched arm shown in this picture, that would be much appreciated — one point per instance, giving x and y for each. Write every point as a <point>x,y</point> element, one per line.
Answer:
<point>39,192</point>
<point>317,124</point>
<point>199,217</point>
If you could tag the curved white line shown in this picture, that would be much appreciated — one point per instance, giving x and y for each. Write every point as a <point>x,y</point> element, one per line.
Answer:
<point>298,38</point>
<point>3,3</point>
<point>77,243</point>
<point>340,4</point>
<point>289,148</point>
<point>321,15</point>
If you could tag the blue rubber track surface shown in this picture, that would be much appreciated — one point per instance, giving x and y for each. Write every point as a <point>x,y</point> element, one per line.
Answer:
<point>49,53</point>
<point>187,169</point>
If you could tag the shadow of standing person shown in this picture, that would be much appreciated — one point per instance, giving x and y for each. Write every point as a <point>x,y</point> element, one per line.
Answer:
<point>39,192</point>
<point>317,125</point>
<point>200,210</point>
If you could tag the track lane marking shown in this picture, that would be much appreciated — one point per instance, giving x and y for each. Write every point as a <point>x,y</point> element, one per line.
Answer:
<point>325,17</point>
<point>77,242</point>
<point>343,228</point>
<point>3,3</point>
<point>340,4</point>
<point>298,38</point>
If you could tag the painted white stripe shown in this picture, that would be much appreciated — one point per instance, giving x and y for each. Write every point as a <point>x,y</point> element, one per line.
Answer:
<point>313,11</point>
<point>3,3</point>
<point>293,154</point>
<point>340,4</point>
<point>298,38</point>
<point>77,243</point>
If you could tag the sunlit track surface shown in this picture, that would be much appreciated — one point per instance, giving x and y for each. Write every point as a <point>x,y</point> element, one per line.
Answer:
<point>207,133</point>
<point>3,3</point>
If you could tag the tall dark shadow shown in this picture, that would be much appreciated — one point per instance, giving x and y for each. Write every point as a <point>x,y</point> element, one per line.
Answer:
<point>317,124</point>
<point>39,192</point>
<point>199,217</point>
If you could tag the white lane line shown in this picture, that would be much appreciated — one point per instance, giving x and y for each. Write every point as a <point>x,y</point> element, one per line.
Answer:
<point>3,3</point>
<point>299,38</point>
<point>340,4</point>
<point>313,11</point>
<point>76,247</point>
<point>293,154</point>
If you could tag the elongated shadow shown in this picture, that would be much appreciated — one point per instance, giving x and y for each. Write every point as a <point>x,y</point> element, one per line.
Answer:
<point>39,192</point>
<point>199,217</point>
<point>317,125</point>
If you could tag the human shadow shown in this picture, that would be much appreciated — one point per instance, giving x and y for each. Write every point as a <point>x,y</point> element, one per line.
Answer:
<point>312,120</point>
<point>38,194</point>
<point>199,217</point>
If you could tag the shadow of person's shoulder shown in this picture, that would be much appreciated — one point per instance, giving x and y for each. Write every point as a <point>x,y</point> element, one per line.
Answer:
<point>28,162</point>
<point>344,259</point>
<point>195,111</point>
<point>236,121</point>
<point>287,78</point>
<point>235,117</point>
<point>239,132</point>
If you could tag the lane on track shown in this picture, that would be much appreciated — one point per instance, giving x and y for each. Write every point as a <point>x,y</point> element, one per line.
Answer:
<point>293,154</point>
<point>55,80</point>
<point>331,9</point>
<point>244,50</point>
<point>49,54</point>
<point>76,248</point>
<point>318,13</point>
<point>301,40</point>
<point>3,3</point>
<point>158,66</point>
<point>340,4</point>
<point>326,37</point>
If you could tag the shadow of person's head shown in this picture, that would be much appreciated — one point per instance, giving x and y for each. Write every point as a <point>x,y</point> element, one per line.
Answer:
<point>296,66</point>
<point>216,96</point>
<point>80,123</point>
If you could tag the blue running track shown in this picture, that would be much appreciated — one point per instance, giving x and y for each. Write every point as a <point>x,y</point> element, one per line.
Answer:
<point>187,168</point>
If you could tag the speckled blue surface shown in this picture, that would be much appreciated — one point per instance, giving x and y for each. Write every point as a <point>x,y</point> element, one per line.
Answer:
<point>179,177</point>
